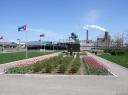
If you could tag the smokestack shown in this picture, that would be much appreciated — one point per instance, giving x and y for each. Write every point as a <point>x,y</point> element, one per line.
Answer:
<point>106,36</point>
<point>106,39</point>
<point>87,35</point>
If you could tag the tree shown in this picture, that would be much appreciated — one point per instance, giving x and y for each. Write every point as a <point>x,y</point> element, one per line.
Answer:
<point>74,37</point>
<point>119,40</point>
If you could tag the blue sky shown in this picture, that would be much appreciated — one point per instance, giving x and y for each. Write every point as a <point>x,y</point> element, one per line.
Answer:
<point>58,18</point>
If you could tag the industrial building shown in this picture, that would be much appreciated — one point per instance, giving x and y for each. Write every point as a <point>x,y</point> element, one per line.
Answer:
<point>99,43</point>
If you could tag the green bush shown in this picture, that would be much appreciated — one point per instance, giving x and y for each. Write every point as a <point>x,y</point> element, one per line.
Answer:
<point>114,51</point>
<point>107,50</point>
<point>37,67</point>
<point>48,69</point>
<point>64,63</point>
<point>63,68</point>
<point>19,70</point>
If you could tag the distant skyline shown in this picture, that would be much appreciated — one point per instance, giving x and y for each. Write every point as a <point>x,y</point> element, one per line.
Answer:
<point>58,18</point>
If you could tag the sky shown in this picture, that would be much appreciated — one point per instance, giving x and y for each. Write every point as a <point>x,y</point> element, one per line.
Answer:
<point>58,18</point>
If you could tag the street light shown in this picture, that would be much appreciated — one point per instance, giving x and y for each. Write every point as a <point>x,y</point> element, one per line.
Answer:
<point>19,41</point>
<point>2,38</point>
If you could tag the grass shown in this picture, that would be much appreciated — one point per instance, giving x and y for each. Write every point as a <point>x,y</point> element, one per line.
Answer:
<point>119,59</point>
<point>9,57</point>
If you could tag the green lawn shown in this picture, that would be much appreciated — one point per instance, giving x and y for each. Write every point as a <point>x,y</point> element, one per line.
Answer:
<point>9,57</point>
<point>119,59</point>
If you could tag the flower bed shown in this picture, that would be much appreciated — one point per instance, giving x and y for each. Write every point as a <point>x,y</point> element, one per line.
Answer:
<point>47,65</point>
<point>94,67</point>
<point>64,64</point>
<point>26,65</point>
<point>76,64</point>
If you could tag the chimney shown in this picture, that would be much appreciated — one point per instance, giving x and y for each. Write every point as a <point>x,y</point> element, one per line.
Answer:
<point>87,35</point>
<point>106,39</point>
<point>106,36</point>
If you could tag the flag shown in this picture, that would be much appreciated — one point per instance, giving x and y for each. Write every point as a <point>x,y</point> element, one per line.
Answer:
<point>1,37</point>
<point>42,35</point>
<point>22,28</point>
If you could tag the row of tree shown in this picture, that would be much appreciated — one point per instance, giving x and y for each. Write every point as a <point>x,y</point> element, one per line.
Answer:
<point>120,39</point>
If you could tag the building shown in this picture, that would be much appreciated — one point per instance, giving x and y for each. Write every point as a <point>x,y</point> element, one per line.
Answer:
<point>86,44</point>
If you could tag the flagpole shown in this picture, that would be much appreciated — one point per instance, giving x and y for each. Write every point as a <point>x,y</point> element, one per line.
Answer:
<point>24,28</point>
<point>40,44</point>
<point>26,34</point>
<point>42,35</point>
<point>3,47</point>
<point>44,47</point>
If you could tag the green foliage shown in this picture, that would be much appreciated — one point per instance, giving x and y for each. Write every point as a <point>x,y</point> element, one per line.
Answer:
<point>63,68</point>
<point>114,51</point>
<point>94,71</point>
<point>20,70</point>
<point>48,65</point>
<point>48,68</point>
<point>76,64</point>
<point>37,67</point>
<point>64,64</point>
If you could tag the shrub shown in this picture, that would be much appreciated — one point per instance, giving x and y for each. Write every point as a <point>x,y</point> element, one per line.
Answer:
<point>48,68</point>
<point>63,68</point>
<point>76,64</point>
<point>64,63</point>
<point>114,51</point>
<point>19,70</point>
<point>37,67</point>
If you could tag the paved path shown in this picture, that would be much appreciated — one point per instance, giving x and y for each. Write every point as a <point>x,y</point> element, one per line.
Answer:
<point>67,85</point>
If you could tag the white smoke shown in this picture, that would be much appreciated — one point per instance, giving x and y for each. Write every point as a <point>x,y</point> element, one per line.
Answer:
<point>94,26</point>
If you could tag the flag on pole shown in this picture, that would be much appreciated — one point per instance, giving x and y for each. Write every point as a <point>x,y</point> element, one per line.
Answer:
<point>1,37</point>
<point>42,35</point>
<point>22,28</point>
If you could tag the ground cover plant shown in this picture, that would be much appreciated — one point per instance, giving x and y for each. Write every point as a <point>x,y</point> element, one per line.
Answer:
<point>9,57</point>
<point>94,67</point>
<point>64,63</point>
<point>76,64</point>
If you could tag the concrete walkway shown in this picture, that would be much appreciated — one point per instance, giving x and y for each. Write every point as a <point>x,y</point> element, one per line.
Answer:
<point>34,84</point>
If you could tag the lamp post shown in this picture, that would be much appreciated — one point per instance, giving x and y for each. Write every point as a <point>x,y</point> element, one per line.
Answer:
<point>1,38</point>
<point>42,35</point>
